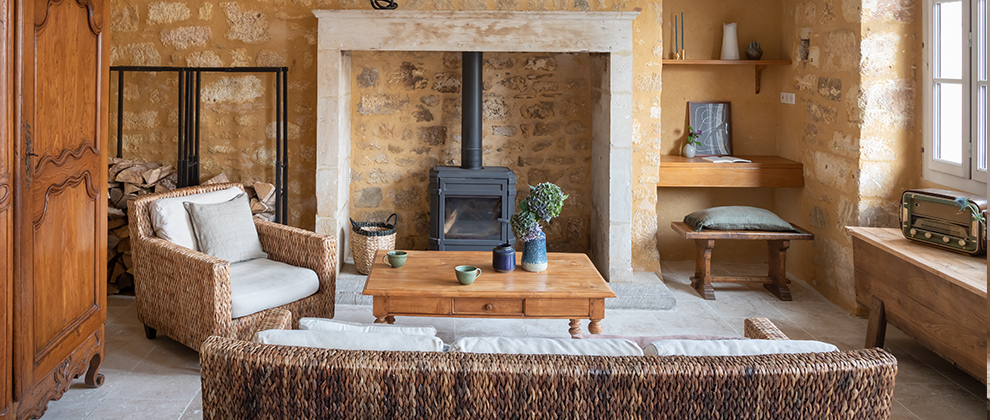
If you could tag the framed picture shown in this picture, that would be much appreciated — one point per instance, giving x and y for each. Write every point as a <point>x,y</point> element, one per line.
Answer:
<point>713,119</point>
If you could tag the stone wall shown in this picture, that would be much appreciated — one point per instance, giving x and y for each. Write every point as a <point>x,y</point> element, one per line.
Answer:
<point>536,118</point>
<point>237,115</point>
<point>856,70</point>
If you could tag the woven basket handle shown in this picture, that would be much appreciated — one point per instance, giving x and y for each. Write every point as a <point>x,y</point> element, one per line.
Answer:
<point>354,224</point>
<point>395,216</point>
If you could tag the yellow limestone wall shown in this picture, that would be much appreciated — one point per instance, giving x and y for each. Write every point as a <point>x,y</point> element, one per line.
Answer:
<point>238,112</point>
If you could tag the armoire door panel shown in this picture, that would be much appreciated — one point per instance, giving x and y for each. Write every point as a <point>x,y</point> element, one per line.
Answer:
<point>64,290</point>
<point>60,110</point>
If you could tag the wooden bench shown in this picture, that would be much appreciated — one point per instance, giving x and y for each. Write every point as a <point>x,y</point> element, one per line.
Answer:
<point>777,243</point>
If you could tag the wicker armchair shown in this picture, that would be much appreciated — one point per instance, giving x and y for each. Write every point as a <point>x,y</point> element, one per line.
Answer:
<point>185,294</point>
<point>244,380</point>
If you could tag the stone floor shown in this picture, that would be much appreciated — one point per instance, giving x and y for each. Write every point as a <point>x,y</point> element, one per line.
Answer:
<point>159,379</point>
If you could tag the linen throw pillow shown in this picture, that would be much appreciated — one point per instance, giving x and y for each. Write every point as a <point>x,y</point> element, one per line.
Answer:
<point>350,340</point>
<point>737,218</point>
<point>226,230</point>
<point>533,345</point>
<point>171,220</point>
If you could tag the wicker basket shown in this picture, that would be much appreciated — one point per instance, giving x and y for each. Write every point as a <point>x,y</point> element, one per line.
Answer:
<point>367,238</point>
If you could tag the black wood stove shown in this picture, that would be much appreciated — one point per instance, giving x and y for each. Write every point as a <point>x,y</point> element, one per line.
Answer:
<point>470,205</point>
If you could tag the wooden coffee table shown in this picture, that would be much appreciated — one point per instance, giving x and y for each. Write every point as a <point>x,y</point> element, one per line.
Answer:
<point>570,288</point>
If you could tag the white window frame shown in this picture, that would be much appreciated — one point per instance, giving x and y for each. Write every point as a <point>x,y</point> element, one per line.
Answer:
<point>966,176</point>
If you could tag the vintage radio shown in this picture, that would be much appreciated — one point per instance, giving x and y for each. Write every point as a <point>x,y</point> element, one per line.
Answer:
<point>932,216</point>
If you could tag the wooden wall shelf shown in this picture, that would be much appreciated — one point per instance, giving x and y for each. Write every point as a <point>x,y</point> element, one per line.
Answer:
<point>764,171</point>
<point>760,65</point>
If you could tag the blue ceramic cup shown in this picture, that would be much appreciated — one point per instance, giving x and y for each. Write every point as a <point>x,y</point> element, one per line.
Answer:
<point>504,258</point>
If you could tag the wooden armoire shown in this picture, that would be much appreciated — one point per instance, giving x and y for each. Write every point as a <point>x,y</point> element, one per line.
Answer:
<point>53,177</point>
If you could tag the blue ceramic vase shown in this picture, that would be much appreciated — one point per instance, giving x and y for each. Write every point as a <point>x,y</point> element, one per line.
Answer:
<point>534,257</point>
<point>504,258</point>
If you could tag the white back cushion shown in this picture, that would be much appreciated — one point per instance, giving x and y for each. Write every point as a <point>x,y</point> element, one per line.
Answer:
<point>323,324</point>
<point>348,340</point>
<point>512,345</point>
<point>735,347</point>
<point>171,221</point>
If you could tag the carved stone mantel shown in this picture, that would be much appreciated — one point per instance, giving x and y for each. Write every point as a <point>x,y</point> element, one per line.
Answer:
<point>606,36</point>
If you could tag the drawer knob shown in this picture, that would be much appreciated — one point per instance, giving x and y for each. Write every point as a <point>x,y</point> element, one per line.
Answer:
<point>487,307</point>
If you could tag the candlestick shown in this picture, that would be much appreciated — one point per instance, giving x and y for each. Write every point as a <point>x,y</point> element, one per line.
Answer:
<point>682,34</point>
<point>676,45</point>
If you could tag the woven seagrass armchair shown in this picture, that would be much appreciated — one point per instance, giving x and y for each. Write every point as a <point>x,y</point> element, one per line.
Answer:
<point>186,294</point>
<point>246,380</point>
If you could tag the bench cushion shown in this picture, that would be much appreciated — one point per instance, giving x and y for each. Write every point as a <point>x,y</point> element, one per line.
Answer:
<point>261,284</point>
<point>737,218</point>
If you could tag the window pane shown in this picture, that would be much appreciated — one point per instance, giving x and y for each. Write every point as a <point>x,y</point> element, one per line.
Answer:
<point>981,40</point>
<point>948,42</point>
<point>949,122</point>
<point>981,133</point>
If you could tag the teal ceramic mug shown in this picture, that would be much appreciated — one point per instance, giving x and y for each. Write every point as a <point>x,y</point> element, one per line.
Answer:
<point>467,273</point>
<point>395,259</point>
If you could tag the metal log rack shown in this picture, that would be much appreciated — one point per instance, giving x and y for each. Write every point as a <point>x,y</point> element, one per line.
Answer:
<point>188,127</point>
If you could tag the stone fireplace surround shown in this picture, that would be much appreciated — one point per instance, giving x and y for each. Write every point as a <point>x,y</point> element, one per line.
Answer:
<point>607,36</point>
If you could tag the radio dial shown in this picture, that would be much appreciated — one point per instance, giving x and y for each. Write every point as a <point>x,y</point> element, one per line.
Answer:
<point>928,235</point>
<point>962,242</point>
<point>946,239</point>
<point>914,232</point>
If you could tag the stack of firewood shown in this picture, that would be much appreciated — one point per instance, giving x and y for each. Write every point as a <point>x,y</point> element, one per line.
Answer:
<point>129,179</point>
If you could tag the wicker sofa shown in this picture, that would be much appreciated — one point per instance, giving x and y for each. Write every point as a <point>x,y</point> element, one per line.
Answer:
<point>245,380</point>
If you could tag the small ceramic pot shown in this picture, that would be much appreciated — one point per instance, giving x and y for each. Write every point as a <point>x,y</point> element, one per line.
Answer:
<point>534,257</point>
<point>504,258</point>
<point>689,150</point>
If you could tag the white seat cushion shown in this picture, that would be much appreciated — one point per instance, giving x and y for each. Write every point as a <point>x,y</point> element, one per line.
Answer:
<point>171,220</point>
<point>511,345</point>
<point>261,284</point>
<point>735,347</point>
<point>350,340</point>
<point>323,324</point>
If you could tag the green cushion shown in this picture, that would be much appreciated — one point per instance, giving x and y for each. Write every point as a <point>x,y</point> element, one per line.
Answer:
<point>737,218</point>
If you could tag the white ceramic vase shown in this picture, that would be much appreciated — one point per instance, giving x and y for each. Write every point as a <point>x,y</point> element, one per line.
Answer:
<point>689,150</point>
<point>730,44</point>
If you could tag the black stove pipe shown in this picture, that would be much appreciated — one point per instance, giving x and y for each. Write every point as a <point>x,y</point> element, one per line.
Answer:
<point>471,110</point>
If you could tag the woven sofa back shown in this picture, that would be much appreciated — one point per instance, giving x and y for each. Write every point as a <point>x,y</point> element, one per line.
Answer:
<point>246,380</point>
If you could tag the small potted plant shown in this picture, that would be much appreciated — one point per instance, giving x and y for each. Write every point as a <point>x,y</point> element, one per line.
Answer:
<point>542,204</point>
<point>691,147</point>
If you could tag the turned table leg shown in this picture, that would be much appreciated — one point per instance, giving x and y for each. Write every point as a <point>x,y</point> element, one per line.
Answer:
<point>575,327</point>
<point>702,280</point>
<point>382,319</point>
<point>595,327</point>
<point>778,269</point>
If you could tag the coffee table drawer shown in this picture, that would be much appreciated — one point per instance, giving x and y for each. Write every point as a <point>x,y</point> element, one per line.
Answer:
<point>558,307</point>
<point>484,306</point>
<point>418,305</point>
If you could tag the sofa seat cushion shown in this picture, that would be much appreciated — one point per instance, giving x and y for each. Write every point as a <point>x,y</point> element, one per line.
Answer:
<point>260,284</point>
<point>644,340</point>
<point>323,324</point>
<point>565,346</point>
<point>735,347</point>
<point>171,221</point>
<point>350,340</point>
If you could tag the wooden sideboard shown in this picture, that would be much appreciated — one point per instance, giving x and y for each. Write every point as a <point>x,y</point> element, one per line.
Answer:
<point>936,296</point>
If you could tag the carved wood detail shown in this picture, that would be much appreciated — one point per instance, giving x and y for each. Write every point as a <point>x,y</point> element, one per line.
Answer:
<point>47,159</point>
<point>34,404</point>
<point>5,197</point>
<point>92,8</point>
<point>57,189</point>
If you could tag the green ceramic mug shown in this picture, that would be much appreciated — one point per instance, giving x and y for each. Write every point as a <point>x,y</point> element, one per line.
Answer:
<point>467,273</point>
<point>395,259</point>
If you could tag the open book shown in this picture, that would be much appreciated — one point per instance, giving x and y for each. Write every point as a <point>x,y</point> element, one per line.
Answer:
<point>725,159</point>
